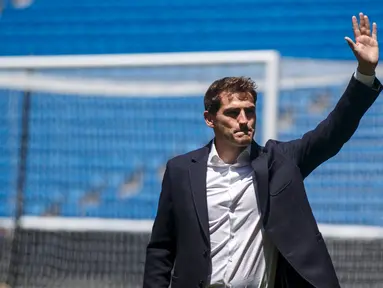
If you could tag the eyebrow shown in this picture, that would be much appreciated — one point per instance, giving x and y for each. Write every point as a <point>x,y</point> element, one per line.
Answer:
<point>238,108</point>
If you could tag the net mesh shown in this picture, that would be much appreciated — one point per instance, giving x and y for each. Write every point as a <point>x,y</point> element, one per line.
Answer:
<point>79,259</point>
<point>103,155</point>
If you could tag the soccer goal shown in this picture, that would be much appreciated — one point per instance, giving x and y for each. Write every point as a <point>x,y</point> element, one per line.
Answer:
<point>86,138</point>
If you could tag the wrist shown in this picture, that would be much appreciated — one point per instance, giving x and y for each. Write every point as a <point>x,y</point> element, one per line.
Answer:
<point>365,79</point>
<point>368,71</point>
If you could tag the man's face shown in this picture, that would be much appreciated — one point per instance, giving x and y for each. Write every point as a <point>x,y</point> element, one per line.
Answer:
<point>235,121</point>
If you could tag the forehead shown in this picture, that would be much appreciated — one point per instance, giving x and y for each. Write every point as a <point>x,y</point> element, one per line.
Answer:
<point>237,98</point>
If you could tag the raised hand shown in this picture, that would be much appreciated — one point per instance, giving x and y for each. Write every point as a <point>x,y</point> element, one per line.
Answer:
<point>365,47</point>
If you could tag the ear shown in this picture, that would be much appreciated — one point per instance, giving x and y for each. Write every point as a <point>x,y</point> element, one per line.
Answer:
<point>209,119</point>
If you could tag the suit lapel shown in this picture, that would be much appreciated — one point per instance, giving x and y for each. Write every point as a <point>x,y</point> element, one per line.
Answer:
<point>261,170</point>
<point>197,175</point>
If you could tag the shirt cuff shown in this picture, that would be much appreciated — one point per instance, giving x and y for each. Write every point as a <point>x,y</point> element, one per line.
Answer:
<point>365,79</point>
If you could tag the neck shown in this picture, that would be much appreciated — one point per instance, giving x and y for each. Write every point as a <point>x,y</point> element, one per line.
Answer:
<point>228,153</point>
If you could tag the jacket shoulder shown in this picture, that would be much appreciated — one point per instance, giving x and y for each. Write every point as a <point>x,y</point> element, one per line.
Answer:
<point>273,147</point>
<point>272,143</point>
<point>184,159</point>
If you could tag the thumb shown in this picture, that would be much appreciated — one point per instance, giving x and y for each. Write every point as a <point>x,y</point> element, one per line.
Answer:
<point>350,43</point>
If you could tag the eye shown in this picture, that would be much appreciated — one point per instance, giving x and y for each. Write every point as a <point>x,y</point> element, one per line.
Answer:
<point>232,113</point>
<point>250,111</point>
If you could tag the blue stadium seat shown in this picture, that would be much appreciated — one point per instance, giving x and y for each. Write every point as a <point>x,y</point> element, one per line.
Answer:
<point>47,27</point>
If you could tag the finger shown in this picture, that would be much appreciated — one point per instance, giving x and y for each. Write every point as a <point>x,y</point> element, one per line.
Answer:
<point>367,24</point>
<point>350,43</point>
<point>362,24</point>
<point>374,31</point>
<point>355,27</point>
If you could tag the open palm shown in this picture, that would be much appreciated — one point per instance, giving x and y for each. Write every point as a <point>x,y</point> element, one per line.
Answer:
<point>365,47</point>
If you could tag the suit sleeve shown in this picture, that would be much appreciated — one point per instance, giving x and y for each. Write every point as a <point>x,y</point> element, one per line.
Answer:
<point>160,252</point>
<point>326,140</point>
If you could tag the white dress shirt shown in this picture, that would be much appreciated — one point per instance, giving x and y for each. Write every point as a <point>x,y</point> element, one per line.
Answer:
<point>241,254</point>
<point>365,79</point>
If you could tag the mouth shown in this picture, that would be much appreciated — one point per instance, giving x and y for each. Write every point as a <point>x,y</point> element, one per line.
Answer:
<point>241,132</point>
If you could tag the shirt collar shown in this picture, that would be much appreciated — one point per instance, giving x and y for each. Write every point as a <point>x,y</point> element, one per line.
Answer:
<point>214,158</point>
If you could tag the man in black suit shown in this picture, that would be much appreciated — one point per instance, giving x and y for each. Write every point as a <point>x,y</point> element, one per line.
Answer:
<point>235,214</point>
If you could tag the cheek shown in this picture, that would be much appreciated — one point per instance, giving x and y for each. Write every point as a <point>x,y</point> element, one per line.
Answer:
<point>225,122</point>
<point>230,124</point>
<point>252,121</point>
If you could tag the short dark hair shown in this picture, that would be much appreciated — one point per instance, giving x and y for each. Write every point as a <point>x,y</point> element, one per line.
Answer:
<point>212,99</point>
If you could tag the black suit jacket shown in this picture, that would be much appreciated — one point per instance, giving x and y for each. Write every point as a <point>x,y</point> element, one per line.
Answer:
<point>180,235</point>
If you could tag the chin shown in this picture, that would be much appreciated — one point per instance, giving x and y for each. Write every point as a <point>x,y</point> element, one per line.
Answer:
<point>245,141</point>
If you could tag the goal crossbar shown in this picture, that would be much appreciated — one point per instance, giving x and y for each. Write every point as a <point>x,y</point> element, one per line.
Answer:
<point>137,60</point>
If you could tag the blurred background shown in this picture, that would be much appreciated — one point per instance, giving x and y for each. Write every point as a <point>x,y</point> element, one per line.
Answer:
<point>96,96</point>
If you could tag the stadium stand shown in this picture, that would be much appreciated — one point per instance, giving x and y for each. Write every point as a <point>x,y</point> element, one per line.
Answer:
<point>46,27</point>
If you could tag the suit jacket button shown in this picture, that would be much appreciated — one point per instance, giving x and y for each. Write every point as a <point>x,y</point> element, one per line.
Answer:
<point>200,283</point>
<point>205,253</point>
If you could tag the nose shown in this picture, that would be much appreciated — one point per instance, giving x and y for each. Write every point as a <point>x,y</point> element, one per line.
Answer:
<point>242,118</point>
